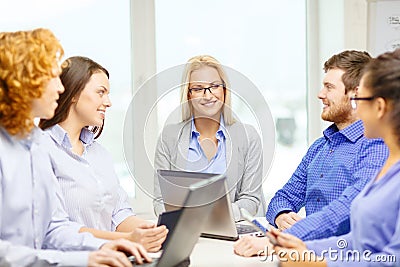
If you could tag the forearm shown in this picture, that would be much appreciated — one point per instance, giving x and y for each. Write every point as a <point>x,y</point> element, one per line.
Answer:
<point>249,204</point>
<point>109,235</point>
<point>130,224</point>
<point>14,255</point>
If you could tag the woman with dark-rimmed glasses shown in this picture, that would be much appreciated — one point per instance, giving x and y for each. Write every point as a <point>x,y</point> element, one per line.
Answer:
<point>210,140</point>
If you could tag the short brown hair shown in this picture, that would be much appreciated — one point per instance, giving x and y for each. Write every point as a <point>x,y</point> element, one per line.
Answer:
<point>352,62</point>
<point>27,62</point>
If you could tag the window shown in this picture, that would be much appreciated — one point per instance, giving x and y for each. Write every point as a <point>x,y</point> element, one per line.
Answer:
<point>263,40</point>
<point>96,29</point>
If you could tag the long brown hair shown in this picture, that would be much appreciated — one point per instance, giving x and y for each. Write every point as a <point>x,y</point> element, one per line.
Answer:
<point>382,78</point>
<point>76,73</point>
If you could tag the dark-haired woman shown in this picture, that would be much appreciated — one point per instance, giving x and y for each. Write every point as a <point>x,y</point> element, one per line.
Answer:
<point>84,169</point>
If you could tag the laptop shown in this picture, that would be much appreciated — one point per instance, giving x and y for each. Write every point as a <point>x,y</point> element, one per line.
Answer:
<point>221,223</point>
<point>190,222</point>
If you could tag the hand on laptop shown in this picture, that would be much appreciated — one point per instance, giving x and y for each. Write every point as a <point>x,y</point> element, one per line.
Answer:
<point>114,253</point>
<point>150,236</point>
<point>248,246</point>
<point>286,220</point>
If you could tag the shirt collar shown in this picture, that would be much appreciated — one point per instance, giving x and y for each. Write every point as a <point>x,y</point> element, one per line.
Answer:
<point>221,129</point>
<point>352,132</point>
<point>32,137</point>
<point>60,136</point>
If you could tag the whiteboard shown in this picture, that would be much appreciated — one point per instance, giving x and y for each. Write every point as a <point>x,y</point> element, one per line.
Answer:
<point>383,26</point>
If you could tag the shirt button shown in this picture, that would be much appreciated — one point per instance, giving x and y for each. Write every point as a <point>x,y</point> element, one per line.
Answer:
<point>321,176</point>
<point>318,200</point>
<point>331,151</point>
<point>36,211</point>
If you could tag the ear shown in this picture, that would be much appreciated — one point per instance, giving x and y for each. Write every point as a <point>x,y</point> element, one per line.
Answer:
<point>381,107</point>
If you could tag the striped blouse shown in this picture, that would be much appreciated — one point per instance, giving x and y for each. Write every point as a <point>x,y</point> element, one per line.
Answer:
<point>93,195</point>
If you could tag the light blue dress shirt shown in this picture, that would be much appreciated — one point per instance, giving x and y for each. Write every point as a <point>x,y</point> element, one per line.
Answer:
<point>31,208</point>
<point>375,225</point>
<point>335,169</point>
<point>197,160</point>
<point>92,193</point>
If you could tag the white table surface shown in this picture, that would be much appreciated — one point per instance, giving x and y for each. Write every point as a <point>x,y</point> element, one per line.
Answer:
<point>214,252</point>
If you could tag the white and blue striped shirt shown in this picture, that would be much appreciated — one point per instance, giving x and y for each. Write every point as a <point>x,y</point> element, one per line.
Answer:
<point>93,195</point>
<point>31,211</point>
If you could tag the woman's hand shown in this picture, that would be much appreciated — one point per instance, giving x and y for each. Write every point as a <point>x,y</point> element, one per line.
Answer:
<point>150,236</point>
<point>114,253</point>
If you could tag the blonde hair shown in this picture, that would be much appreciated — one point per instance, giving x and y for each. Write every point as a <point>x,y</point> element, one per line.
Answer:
<point>27,62</point>
<point>196,63</point>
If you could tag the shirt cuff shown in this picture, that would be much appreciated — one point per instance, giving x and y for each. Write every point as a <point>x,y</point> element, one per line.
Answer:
<point>279,212</point>
<point>70,258</point>
<point>120,217</point>
<point>236,212</point>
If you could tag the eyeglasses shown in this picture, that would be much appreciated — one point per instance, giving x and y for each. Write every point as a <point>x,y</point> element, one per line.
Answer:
<point>354,99</point>
<point>213,89</point>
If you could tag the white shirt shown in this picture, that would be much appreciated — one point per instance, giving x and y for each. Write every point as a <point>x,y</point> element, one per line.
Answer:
<point>31,211</point>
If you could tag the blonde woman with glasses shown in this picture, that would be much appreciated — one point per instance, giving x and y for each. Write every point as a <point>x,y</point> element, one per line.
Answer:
<point>210,140</point>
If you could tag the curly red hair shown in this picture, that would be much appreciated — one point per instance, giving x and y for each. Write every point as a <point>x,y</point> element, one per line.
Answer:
<point>27,63</point>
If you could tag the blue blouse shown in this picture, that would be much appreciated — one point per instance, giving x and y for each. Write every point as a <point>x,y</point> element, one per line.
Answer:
<point>375,225</point>
<point>197,160</point>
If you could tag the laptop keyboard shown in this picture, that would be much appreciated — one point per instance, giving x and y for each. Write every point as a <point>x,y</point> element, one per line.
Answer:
<point>245,229</point>
<point>184,263</point>
<point>145,264</point>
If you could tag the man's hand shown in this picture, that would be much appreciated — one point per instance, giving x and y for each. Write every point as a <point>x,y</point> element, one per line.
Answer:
<point>150,236</point>
<point>114,253</point>
<point>286,220</point>
<point>248,246</point>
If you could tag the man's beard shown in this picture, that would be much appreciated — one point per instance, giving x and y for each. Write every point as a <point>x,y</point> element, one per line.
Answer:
<point>339,113</point>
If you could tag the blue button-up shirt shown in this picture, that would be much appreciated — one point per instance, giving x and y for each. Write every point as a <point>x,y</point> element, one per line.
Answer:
<point>375,226</point>
<point>332,173</point>
<point>31,211</point>
<point>197,160</point>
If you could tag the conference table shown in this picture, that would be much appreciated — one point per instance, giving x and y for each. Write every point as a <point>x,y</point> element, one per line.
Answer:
<point>209,252</point>
<point>213,252</point>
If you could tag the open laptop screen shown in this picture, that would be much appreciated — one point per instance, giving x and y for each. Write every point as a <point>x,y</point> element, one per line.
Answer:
<point>174,189</point>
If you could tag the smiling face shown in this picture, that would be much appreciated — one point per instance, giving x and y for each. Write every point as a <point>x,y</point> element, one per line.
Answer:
<point>206,104</point>
<point>337,107</point>
<point>45,106</point>
<point>90,107</point>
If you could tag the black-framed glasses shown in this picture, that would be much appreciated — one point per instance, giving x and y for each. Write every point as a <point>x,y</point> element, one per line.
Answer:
<point>354,99</point>
<point>213,88</point>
